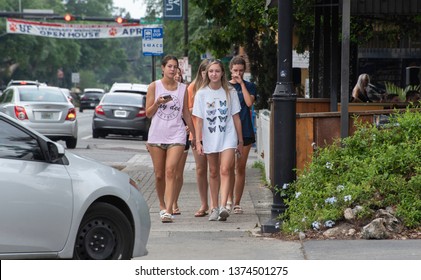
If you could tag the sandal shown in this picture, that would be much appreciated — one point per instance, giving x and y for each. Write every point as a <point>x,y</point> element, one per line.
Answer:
<point>237,209</point>
<point>166,218</point>
<point>176,211</point>
<point>228,206</point>
<point>201,213</point>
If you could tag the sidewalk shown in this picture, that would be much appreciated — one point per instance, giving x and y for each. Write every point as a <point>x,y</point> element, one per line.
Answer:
<point>191,238</point>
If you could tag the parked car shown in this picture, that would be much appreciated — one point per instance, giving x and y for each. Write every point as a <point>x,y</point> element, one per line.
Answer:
<point>121,113</point>
<point>68,94</point>
<point>55,204</point>
<point>129,87</point>
<point>43,108</point>
<point>25,83</point>
<point>90,98</point>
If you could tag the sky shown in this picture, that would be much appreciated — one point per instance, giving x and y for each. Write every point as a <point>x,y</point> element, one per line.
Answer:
<point>136,8</point>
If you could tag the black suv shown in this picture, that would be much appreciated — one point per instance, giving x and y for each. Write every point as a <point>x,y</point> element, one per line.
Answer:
<point>90,98</point>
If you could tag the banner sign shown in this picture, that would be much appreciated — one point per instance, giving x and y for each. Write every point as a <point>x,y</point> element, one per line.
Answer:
<point>74,31</point>
<point>152,41</point>
<point>173,9</point>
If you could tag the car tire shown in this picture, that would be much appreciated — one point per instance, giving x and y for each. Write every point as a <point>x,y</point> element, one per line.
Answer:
<point>81,109</point>
<point>71,143</point>
<point>145,136</point>
<point>105,233</point>
<point>95,133</point>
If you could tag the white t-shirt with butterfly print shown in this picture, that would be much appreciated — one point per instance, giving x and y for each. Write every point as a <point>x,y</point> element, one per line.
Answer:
<point>212,106</point>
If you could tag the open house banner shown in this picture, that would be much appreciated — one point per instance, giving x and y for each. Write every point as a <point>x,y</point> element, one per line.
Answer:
<point>74,31</point>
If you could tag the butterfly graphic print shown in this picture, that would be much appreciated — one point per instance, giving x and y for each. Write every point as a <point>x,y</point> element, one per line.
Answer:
<point>212,129</point>
<point>212,121</point>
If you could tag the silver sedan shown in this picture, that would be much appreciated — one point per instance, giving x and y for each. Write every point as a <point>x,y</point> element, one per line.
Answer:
<point>54,204</point>
<point>43,108</point>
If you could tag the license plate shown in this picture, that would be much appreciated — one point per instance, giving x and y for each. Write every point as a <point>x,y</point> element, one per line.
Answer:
<point>92,104</point>
<point>120,114</point>
<point>46,115</point>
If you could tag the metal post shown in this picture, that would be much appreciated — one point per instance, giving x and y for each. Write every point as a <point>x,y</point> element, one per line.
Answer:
<point>346,16</point>
<point>153,68</point>
<point>283,127</point>
<point>186,27</point>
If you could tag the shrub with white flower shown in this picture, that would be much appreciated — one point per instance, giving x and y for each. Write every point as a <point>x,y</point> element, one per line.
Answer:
<point>285,186</point>
<point>329,165</point>
<point>340,188</point>
<point>297,194</point>
<point>330,200</point>
<point>329,223</point>
<point>315,225</point>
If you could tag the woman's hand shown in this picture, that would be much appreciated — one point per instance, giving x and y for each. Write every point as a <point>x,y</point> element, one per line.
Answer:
<point>199,148</point>
<point>239,150</point>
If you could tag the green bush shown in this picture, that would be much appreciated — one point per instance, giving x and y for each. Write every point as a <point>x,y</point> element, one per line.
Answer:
<point>374,168</point>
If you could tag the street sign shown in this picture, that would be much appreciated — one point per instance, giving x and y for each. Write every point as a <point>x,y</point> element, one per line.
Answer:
<point>75,78</point>
<point>152,41</point>
<point>173,9</point>
<point>150,21</point>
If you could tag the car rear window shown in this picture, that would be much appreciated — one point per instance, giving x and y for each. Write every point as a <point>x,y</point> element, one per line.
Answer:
<point>123,99</point>
<point>41,95</point>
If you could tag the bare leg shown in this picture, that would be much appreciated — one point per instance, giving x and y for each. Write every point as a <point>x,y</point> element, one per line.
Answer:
<point>202,179</point>
<point>179,177</point>
<point>227,162</point>
<point>173,157</point>
<point>240,174</point>
<point>158,156</point>
<point>213,160</point>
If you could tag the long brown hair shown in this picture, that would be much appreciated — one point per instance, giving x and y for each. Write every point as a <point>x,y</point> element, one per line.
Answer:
<point>199,79</point>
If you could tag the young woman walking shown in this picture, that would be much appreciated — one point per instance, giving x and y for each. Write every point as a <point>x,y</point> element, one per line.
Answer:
<point>216,107</point>
<point>166,105</point>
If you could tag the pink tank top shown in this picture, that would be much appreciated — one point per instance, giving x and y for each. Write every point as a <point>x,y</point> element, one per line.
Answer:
<point>167,126</point>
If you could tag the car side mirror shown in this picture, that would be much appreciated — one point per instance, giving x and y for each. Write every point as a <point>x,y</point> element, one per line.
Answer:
<point>55,151</point>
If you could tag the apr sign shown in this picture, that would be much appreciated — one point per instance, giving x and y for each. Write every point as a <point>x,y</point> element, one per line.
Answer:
<point>152,41</point>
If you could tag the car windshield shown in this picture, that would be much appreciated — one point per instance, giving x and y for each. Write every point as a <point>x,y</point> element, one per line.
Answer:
<point>123,99</point>
<point>40,94</point>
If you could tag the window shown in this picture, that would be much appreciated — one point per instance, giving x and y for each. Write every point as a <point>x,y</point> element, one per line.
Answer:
<point>17,144</point>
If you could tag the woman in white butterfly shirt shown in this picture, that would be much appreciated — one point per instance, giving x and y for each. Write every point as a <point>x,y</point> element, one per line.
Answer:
<point>216,106</point>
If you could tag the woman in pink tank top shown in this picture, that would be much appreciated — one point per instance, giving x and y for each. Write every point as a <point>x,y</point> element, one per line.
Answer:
<point>166,105</point>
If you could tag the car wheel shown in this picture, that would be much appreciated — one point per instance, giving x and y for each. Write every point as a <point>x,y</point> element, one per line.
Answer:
<point>95,133</point>
<point>81,109</point>
<point>105,233</point>
<point>145,136</point>
<point>71,143</point>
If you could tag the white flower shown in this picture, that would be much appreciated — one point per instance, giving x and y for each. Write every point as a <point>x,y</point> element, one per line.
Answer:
<point>330,200</point>
<point>329,223</point>
<point>329,165</point>
<point>315,225</point>
<point>285,186</point>
<point>304,219</point>
<point>277,225</point>
<point>347,198</point>
<point>297,194</point>
<point>340,188</point>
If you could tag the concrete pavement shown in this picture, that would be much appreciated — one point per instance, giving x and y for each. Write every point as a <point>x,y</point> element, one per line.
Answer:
<point>240,238</point>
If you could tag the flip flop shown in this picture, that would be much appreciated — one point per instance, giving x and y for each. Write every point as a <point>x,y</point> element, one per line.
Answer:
<point>176,211</point>
<point>201,213</point>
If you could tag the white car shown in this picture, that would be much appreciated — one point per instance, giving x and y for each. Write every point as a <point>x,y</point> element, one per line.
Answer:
<point>129,88</point>
<point>54,204</point>
<point>43,108</point>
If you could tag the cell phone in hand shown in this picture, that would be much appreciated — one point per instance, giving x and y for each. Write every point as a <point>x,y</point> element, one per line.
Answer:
<point>167,97</point>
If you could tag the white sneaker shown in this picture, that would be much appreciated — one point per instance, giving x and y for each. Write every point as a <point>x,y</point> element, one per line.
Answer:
<point>223,214</point>
<point>214,214</point>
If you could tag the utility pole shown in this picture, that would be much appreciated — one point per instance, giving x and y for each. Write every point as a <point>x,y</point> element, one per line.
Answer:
<point>283,127</point>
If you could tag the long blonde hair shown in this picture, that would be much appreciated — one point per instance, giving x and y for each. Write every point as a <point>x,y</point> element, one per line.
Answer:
<point>224,82</point>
